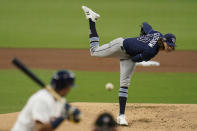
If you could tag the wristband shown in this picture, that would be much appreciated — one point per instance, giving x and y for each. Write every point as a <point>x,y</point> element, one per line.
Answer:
<point>57,122</point>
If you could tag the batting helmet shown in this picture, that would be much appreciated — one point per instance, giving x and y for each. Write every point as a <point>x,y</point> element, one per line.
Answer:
<point>105,120</point>
<point>170,39</point>
<point>62,79</point>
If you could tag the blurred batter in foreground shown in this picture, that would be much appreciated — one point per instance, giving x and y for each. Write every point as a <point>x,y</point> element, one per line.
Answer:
<point>43,112</point>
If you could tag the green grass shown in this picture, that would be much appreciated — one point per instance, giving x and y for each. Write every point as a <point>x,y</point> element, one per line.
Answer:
<point>16,88</point>
<point>61,23</point>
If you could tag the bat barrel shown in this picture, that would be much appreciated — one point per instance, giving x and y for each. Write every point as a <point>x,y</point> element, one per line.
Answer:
<point>28,72</point>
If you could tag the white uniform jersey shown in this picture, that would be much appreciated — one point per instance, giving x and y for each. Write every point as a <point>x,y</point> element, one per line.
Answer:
<point>41,107</point>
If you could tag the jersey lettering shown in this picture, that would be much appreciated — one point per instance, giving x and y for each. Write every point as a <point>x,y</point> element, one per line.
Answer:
<point>154,40</point>
<point>151,39</point>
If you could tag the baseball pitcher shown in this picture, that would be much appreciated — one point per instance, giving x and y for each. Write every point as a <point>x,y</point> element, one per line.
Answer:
<point>129,51</point>
<point>42,111</point>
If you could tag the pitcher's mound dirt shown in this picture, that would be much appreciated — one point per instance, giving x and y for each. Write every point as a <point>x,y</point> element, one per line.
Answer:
<point>141,117</point>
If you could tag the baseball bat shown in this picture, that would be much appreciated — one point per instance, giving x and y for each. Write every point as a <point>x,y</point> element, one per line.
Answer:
<point>28,72</point>
<point>32,76</point>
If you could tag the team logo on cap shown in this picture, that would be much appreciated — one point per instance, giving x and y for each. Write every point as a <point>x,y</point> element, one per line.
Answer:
<point>173,40</point>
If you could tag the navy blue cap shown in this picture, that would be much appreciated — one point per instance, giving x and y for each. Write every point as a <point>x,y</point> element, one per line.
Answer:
<point>170,39</point>
<point>63,79</point>
<point>105,120</point>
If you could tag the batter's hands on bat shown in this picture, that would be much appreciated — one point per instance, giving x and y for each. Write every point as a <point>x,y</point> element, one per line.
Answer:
<point>72,114</point>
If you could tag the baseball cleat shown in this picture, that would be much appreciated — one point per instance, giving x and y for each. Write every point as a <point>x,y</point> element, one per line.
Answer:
<point>121,120</point>
<point>90,14</point>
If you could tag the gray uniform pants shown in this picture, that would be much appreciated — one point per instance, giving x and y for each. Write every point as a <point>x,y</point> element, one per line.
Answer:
<point>115,49</point>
